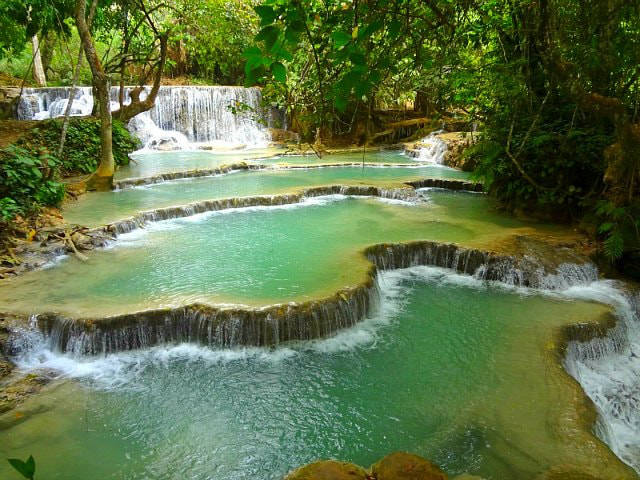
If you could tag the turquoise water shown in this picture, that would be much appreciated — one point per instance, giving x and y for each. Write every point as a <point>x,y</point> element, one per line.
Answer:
<point>99,208</point>
<point>449,368</point>
<point>464,373</point>
<point>384,156</point>
<point>251,256</point>
<point>147,164</point>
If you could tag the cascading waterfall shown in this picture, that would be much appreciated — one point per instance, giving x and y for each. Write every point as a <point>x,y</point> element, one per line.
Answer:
<point>241,326</point>
<point>603,359</point>
<point>432,149</point>
<point>210,116</point>
<point>51,102</point>
<point>608,368</point>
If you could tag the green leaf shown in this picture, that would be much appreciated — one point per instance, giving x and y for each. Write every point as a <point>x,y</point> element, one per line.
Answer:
<point>614,246</point>
<point>340,38</point>
<point>358,58</point>
<point>252,52</point>
<point>266,13</point>
<point>279,72</point>
<point>340,103</point>
<point>269,35</point>
<point>350,80</point>
<point>26,469</point>
<point>394,28</point>
<point>255,62</point>
<point>605,227</point>
<point>291,35</point>
<point>370,29</point>
<point>296,26</point>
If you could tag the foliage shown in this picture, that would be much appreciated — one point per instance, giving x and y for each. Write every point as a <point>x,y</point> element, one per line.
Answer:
<point>26,469</point>
<point>12,34</point>
<point>30,174</point>
<point>211,37</point>
<point>21,19</point>
<point>552,85</point>
<point>82,147</point>
<point>26,181</point>
<point>620,226</point>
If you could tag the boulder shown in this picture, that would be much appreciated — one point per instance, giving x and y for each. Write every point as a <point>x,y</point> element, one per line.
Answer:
<point>328,470</point>
<point>15,392</point>
<point>280,135</point>
<point>8,98</point>
<point>82,241</point>
<point>401,466</point>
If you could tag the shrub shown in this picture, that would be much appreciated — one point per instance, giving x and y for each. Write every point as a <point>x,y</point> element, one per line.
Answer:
<point>81,152</point>
<point>27,180</point>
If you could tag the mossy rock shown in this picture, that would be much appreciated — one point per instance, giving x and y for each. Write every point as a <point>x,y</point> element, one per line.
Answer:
<point>15,392</point>
<point>568,472</point>
<point>328,470</point>
<point>401,465</point>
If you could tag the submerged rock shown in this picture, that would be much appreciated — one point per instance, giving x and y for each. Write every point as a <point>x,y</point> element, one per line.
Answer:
<point>395,466</point>
<point>402,465</point>
<point>328,470</point>
<point>16,391</point>
<point>568,472</point>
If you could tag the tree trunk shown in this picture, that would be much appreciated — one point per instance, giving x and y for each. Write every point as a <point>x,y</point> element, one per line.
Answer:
<point>38,69</point>
<point>127,112</point>
<point>72,96</point>
<point>102,179</point>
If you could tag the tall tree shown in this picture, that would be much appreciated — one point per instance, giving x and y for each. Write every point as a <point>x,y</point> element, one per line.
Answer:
<point>103,177</point>
<point>38,70</point>
<point>130,27</point>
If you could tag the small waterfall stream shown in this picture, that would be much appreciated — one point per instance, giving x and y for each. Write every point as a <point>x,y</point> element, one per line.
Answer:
<point>432,149</point>
<point>182,115</point>
<point>608,369</point>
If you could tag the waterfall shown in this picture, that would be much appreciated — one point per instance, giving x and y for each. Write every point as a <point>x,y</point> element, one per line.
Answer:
<point>274,324</point>
<point>207,116</point>
<point>607,366</point>
<point>50,102</point>
<point>431,149</point>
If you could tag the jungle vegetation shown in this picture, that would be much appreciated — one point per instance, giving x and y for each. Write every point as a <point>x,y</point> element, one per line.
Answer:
<point>551,88</point>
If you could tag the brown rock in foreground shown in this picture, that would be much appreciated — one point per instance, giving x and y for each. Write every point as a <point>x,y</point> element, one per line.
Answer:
<point>401,466</point>
<point>395,466</point>
<point>328,470</point>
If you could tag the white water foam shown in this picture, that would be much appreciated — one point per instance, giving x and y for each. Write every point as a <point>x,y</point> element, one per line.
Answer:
<point>432,149</point>
<point>121,369</point>
<point>608,369</point>
<point>117,368</point>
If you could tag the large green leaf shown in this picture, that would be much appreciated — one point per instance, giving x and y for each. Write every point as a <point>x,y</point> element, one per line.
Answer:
<point>267,14</point>
<point>269,35</point>
<point>26,469</point>
<point>279,72</point>
<point>340,38</point>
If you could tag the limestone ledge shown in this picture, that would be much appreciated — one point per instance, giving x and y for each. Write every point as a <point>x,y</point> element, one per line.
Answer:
<point>276,324</point>
<point>165,177</point>
<point>224,169</point>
